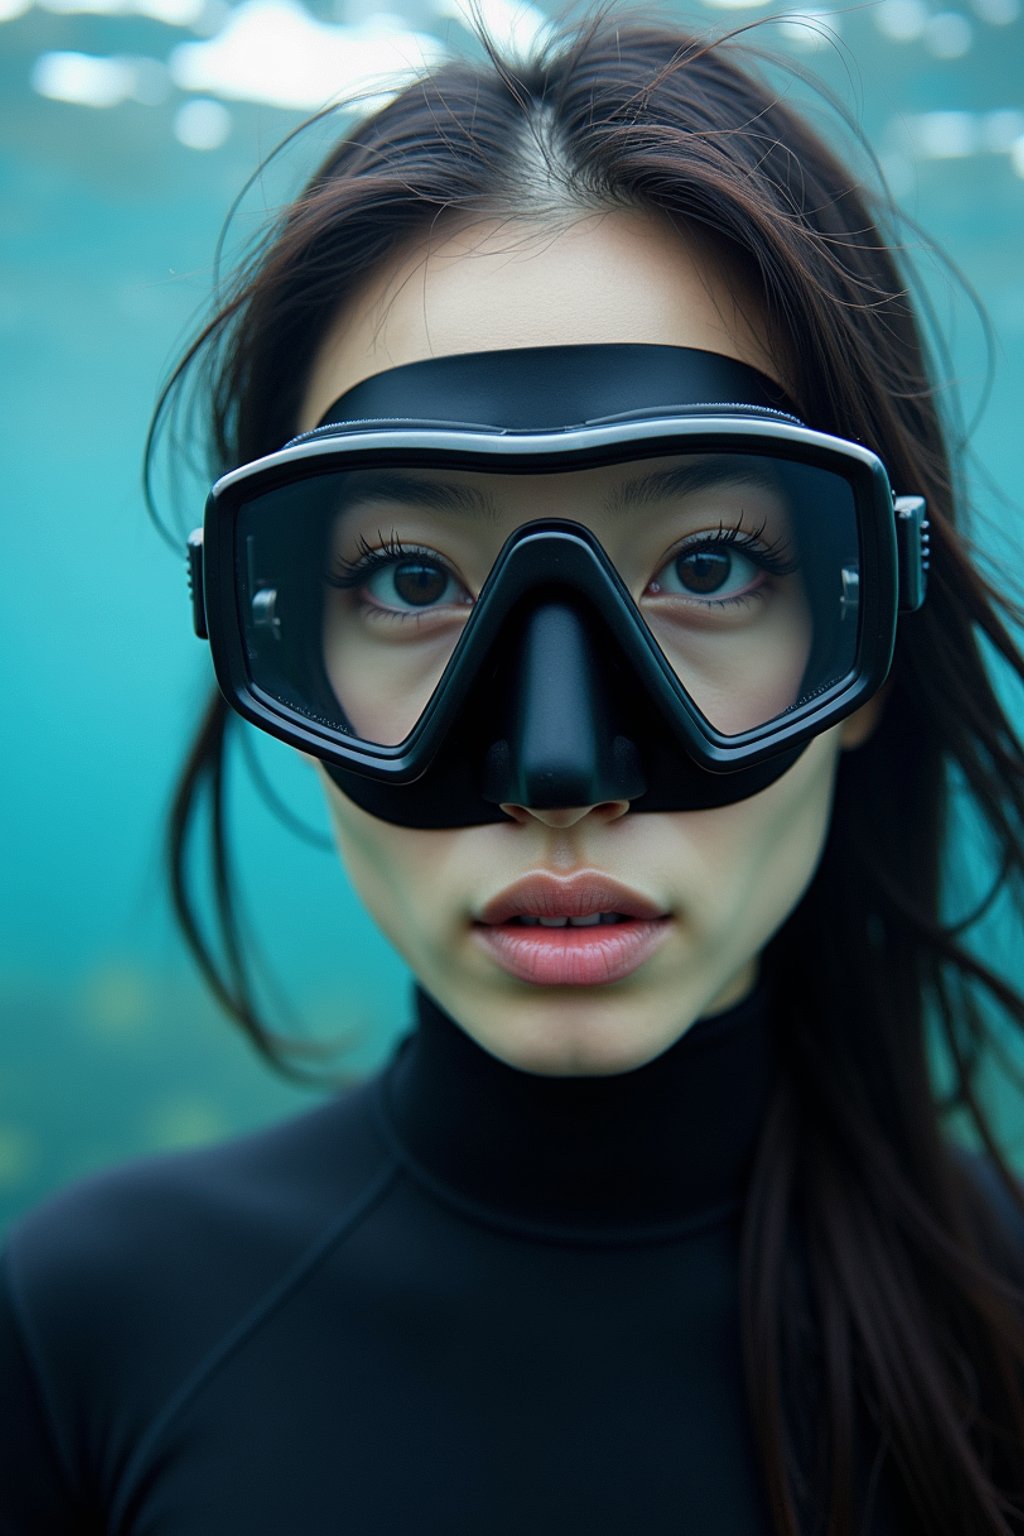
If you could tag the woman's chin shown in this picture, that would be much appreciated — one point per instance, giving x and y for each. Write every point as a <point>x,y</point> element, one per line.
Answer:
<point>560,1037</point>
<point>580,1031</point>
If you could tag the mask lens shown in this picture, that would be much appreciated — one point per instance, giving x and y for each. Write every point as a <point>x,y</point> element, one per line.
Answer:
<point>756,608</point>
<point>355,587</point>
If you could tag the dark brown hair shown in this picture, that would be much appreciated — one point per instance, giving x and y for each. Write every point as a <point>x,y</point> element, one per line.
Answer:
<point>881,1311</point>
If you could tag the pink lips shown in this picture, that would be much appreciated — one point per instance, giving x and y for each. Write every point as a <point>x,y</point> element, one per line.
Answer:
<point>624,930</point>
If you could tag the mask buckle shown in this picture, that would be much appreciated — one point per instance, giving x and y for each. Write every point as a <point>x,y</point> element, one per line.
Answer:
<point>913,544</point>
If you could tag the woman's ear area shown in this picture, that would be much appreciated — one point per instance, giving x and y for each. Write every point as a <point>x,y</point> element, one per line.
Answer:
<point>859,727</point>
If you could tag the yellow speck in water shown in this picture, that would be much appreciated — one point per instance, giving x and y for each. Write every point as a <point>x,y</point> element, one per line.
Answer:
<point>184,1121</point>
<point>19,1152</point>
<point>116,1001</point>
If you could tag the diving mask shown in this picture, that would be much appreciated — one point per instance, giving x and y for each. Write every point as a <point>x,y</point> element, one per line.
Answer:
<point>555,577</point>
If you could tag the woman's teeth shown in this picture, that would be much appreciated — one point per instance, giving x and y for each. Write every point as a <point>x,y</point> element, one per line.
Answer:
<point>571,922</point>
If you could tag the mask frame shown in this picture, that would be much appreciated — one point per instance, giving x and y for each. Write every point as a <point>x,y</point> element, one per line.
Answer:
<point>555,572</point>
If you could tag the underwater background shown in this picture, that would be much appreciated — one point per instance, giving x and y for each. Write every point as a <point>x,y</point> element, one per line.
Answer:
<point>128,128</point>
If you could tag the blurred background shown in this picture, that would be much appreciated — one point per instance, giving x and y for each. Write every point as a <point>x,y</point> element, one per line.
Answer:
<point>128,128</point>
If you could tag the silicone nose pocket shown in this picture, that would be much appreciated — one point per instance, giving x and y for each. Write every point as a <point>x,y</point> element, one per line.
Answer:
<point>559,744</point>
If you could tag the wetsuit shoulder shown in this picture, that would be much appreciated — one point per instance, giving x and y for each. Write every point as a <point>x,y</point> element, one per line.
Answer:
<point>114,1288</point>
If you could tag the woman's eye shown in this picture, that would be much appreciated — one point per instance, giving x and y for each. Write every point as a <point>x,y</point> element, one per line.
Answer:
<point>413,583</point>
<point>717,571</point>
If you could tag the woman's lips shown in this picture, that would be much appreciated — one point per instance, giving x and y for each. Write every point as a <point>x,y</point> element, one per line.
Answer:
<point>581,931</point>
<point>572,957</point>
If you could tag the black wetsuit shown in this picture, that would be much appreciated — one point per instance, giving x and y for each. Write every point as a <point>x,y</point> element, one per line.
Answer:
<point>461,1300</point>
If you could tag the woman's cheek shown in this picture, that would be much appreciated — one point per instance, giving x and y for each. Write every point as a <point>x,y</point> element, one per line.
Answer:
<point>397,871</point>
<point>757,857</point>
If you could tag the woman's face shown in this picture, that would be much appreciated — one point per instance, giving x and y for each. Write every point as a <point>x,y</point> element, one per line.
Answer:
<point>706,547</point>
<point>710,888</point>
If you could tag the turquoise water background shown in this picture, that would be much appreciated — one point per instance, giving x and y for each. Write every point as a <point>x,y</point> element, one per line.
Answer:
<point>115,175</point>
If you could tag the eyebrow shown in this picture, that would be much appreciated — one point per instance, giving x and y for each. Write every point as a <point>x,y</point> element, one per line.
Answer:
<point>393,485</point>
<point>642,491</point>
<point>684,479</point>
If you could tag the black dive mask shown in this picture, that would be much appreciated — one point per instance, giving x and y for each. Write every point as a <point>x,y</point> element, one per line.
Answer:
<point>555,577</point>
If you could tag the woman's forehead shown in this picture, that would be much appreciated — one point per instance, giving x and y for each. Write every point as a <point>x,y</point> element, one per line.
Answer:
<point>615,277</point>
<point>628,486</point>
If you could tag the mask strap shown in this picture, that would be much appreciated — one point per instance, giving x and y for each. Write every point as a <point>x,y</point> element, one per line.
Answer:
<point>548,388</point>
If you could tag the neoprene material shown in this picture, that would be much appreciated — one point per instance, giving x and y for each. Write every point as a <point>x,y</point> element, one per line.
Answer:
<point>461,1300</point>
<point>528,388</point>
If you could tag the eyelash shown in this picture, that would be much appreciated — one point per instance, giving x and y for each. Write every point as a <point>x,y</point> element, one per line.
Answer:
<point>771,557</point>
<point>351,574</point>
<point>770,554</point>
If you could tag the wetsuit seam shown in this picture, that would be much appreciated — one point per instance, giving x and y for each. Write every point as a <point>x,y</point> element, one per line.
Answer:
<point>237,1336</point>
<point>537,1231</point>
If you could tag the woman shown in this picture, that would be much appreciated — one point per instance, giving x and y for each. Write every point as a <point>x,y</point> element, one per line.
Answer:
<point>579,583</point>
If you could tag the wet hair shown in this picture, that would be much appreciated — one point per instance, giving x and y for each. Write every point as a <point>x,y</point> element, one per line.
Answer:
<point>881,1293</point>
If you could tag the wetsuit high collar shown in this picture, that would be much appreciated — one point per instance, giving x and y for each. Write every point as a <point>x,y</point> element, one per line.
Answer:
<point>661,1150</point>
